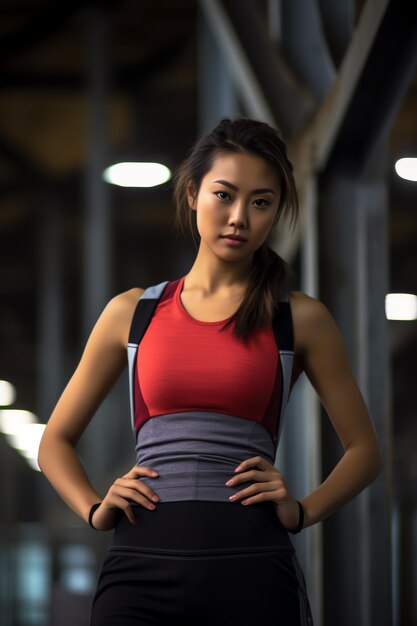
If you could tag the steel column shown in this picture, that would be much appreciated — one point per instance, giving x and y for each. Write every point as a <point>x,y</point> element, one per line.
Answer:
<point>97,241</point>
<point>51,311</point>
<point>217,95</point>
<point>353,249</point>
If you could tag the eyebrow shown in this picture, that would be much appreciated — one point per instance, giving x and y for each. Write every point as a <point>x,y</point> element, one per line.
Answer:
<point>227,184</point>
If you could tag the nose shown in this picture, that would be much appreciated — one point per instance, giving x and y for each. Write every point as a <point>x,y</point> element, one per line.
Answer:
<point>238,215</point>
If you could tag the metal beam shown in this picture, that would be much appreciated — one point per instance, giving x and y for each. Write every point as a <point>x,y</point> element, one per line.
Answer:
<point>265,83</point>
<point>244,79</point>
<point>364,99</point>
<point>338,22</point>
<point>216,103</point>
<point>306,49</point>
<point>329,119</point>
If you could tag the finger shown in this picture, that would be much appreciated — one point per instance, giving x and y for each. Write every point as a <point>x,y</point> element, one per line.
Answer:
<point>128,511</point>
<point>137,485</point>
<point>257,475</point>
<point>276,497</point>
<point>255,489</point>
<point>141,470</point>
<point>131,494</point>
<point>120,503</point>
<point>262,497</point>
<point>258,461</point>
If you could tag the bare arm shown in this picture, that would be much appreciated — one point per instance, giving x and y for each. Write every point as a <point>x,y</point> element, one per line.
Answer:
<point>321,354</point>
<point>103,360</point>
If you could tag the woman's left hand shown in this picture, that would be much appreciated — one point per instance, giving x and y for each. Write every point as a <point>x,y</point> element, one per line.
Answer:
<point>269,486</point>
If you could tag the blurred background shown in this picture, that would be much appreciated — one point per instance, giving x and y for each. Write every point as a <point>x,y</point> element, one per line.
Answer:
<point>85,85</point>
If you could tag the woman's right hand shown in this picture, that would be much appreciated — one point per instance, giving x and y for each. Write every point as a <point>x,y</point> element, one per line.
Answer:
<point>126,489</point>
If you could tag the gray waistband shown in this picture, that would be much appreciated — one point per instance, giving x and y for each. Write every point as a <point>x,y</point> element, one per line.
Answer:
<point>195,453</point>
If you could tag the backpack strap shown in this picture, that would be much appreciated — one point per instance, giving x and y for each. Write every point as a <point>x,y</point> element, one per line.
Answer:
<point>284,337</point>
<point>144,310</point>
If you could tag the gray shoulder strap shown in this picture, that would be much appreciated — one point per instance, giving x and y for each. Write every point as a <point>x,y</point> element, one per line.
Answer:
<point>145,308</point>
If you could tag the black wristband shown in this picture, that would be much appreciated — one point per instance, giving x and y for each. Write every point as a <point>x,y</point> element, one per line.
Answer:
<point>91,513</point>
<point>300,524</point>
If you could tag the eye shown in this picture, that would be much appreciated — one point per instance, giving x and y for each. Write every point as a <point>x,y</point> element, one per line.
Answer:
<point>264,205</point>
<point>224,197</point>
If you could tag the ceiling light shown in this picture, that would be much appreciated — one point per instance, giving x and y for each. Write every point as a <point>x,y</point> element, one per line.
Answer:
<point>7,393</point>
<point>132,174</point>
<point>401,306</point>
<point>12,419</point>
<point>26,440</point>
<point>23,432</point>
<point>33,462</point>
<point>407,168</point>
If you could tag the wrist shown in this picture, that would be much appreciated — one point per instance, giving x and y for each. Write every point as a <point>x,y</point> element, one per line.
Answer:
<point>93,509</point>
<point>300,524</point>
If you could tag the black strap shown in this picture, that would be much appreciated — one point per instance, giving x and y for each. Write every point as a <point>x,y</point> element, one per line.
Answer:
<point>142,316</point>
<point>283,327</point>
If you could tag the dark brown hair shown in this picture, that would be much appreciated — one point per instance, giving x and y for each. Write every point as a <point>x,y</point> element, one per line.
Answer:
<point>269,275</point>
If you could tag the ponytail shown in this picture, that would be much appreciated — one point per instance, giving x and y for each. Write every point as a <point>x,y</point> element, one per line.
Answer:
<point>268,282</point>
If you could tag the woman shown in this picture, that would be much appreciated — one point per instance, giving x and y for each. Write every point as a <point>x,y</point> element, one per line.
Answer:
<point>208,382</point>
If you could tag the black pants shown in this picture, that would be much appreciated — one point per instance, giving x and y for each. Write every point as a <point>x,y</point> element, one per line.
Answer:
<point>201,564</point>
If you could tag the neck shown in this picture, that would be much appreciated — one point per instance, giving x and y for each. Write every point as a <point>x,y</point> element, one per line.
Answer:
<point>213,274</point>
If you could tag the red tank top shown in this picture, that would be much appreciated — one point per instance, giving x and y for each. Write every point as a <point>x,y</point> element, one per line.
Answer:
<point>184,364</point>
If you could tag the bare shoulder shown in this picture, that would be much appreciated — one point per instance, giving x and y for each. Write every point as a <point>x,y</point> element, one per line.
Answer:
<point>118,313</point>
<point>312,321</point>
<point>307,309</point>
<point>123,304</point>
<point>128,298</point>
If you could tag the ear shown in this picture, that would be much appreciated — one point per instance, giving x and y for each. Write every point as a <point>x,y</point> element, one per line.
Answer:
<point>191,196</point>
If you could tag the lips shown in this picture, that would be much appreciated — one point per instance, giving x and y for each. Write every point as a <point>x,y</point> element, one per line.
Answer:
<point>235,237</point>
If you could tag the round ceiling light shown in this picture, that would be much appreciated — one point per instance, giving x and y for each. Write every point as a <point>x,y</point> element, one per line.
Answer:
<point>7,393</point>
<point>407,168</point>
<point>131,174</point>
<point>401,306</point>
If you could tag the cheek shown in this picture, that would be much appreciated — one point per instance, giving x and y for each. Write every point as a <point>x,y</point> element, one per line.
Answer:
<point>206,220</point>
<point>265,222</point>
<point>208,215</point>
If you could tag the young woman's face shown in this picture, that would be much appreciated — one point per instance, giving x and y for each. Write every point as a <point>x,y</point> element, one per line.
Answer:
<point>239,195</point>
